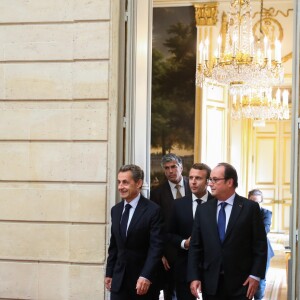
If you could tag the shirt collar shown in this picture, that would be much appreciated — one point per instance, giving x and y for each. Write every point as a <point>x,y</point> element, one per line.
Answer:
<point>172,185</point>
<point>133,202</point>
<point>230,200</point>
<point>203,198</point>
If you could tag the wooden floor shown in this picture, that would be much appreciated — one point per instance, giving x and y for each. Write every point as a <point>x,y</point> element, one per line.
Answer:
<point>277,275</point>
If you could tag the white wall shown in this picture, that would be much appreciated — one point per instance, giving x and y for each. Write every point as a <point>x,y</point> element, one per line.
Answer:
<point>57,128</point>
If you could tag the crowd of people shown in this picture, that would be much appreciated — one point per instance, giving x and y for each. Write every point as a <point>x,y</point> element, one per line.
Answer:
<point>189,241</point>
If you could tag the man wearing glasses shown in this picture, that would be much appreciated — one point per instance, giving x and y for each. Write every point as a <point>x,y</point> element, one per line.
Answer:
<point>176,186</point>
<point>228,248</point>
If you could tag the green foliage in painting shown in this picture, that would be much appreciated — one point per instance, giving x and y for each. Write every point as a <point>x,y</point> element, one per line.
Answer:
<point>173,90</point>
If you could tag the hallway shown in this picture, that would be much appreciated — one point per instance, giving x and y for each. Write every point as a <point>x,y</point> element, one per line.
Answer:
<point>277,275</point>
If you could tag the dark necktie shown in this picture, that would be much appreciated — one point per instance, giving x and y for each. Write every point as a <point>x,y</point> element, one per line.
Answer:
<point>199,201</point>
<point>222,221</point>
<point>178,194</point>
<point>124,221</point>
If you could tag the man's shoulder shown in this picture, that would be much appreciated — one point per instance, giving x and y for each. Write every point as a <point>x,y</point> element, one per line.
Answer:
<point>183,201</point>
<point>246,202</point>
<point>163,185</point>
<point>148,203</point>
<point>266,211</point>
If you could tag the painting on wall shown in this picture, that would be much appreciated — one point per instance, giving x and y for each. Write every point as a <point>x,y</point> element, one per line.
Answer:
<point>173,86</point>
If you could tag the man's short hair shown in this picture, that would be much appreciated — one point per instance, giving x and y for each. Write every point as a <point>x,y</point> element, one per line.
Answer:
<point>201,166</point>
<point>136,171</point>
<point>229,173</point>
<point>255,192</point>
<point>171,157</point>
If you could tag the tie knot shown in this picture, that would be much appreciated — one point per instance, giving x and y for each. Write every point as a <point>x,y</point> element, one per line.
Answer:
<point>127,207</point>
<point>199,201</point>
<point>177,186</point>
<point>223,204</point>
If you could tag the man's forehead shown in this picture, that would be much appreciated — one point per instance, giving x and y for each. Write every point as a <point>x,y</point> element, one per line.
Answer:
<point>124,175</point>
<point>196,172</point>
<point>218,170</point>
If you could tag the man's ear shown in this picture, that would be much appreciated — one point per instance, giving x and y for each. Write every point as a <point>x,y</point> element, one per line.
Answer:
<point>230,182</point>
<point>140,183</point>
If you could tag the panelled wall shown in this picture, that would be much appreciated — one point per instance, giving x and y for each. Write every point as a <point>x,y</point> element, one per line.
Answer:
<point>270,172</point>
<point>54,141</point>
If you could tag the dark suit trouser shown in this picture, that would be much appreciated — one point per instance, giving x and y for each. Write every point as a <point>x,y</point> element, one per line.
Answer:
<point>166,283</point>
<point>183,291</point>
<point>222,293</point>
<point>128,292</point>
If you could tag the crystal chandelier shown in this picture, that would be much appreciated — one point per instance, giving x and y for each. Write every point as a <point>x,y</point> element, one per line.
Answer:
<point>249,68</point>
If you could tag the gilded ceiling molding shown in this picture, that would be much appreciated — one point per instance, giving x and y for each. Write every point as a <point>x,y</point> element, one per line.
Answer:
<point>206,13</point>
<point>272,13</point>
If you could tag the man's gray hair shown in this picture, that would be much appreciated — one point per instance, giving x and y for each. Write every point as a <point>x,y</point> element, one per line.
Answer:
<point>171,157</point>
<point>136,171</point>
<point>255,192</point>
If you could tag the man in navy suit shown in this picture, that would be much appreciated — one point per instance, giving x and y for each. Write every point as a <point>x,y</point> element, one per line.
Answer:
<point>266,215</point>
<point>228,248</point>
<point>176,186</point>
<point>181,225</point>
<point>136,241</point>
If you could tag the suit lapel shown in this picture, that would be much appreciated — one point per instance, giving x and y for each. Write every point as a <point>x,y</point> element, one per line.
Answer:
<point>212,213</point>
<point>139,211</point>
<point>235,212</point>
<point>189,208</point>
<point>117,219</point>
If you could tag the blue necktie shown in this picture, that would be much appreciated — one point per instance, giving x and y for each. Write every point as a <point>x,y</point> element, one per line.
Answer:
<point>124,221</point>
<point>222,221</point>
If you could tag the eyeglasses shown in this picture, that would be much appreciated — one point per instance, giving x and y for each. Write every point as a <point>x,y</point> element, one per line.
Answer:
<point>214,180</point>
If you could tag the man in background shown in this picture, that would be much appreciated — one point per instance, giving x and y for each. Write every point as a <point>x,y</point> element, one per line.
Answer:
<point>176,186</point>
<point>266,215</point>
<point>136,242</point>
<point>181,225</point>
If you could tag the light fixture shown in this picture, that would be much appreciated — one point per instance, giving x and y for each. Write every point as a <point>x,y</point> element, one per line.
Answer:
<point>249,67</point>
<point>259,106</point>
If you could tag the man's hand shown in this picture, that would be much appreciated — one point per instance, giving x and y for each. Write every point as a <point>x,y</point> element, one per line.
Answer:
<point>165,263</point>
<point>187,243</point>
<point>252,286</point>
<point>142,286</point>
<point>195,287</point>
<point>107,282</point>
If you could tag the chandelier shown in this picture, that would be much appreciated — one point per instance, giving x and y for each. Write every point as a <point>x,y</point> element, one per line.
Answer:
<point>249,67</point>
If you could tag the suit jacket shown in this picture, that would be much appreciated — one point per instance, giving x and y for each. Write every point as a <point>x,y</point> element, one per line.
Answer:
<point>163,196</point>
<point>140,254</point>
<point>242,253</point>
<point>267,220</point>
<point>180,228</point>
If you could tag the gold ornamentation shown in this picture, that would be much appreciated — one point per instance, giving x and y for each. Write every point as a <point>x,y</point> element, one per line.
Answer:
<point>206,14</point>
<point>271,28</point>
<point>271,12</point>
<point>287,57</point>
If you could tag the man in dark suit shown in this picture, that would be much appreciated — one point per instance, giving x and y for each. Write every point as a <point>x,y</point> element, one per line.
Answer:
<point>176,186</point>
<point>228,248</point>
<point>266,215</point>
<point>181,225</point>
<point>136,241</point>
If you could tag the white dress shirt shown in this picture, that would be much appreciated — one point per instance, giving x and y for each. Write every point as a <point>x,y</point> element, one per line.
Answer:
<point>133,204</point>
<point>174,189</point>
